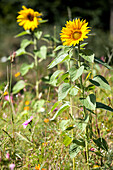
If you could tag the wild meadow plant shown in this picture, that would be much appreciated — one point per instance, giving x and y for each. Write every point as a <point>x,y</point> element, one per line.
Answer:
<point>77,94</point>
<point>30,21</point>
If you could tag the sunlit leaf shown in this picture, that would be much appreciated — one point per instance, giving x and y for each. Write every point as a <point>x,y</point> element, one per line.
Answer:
<point>23,33</point>
<point>59,59</point>
<point>60,110</point>
<point>67,140</point>
<point>73,91</point>
<point>88,55</point>
<point>58,47</point>
<point>89,102</point>
<point>75,73</point>
<point>101,82</point>
<point>63,90</point>
<point>53,80</point>
<point>74,150</point>
<point>20,51</point>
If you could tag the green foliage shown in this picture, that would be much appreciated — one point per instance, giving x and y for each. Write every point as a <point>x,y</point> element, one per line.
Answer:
<point>75,73</point>
<point>18,86</point>
<point>60,110</point>
<point>63,90</point>
<point>88,55</point>
<point>89,102</point>
<point>101,82</point>
<point>25,68</point>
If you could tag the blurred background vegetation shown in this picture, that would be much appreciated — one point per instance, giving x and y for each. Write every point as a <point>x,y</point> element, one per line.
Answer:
<point>97,12</point>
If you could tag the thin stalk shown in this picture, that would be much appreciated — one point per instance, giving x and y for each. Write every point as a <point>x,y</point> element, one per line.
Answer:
<point>12,112</point>
<point>85,114</point>
<point>10,80</point>
<point>36,67</point>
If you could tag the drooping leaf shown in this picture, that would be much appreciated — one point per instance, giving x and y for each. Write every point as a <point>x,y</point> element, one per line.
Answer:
<point>101,82</point>
<point>89,102</point>
<point>58,47</point>
<point>75,73</point>
<point>88,55</point>
<point>59,59</point>
<point>60,110</point>
<point>103,106</point>
<point>79,142</point>
<point>74,150</point>
<point>63,90</point>
<point>97,60</point>
<point>18,86</point>
<point>101,143</point>
<point>25,68</point>
<point>20,51</point>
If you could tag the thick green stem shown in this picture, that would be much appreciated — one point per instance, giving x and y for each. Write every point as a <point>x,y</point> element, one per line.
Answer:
<point>71,114</point>
<point>85,114</point>
<point>36,67</point>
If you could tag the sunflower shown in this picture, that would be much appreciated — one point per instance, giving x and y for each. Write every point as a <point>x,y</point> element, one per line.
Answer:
<point>74,32</point>
<point>28,18</point>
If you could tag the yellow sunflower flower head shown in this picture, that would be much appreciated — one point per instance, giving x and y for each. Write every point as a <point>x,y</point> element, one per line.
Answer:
<point>28,18</point>
<point>74,32</point>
